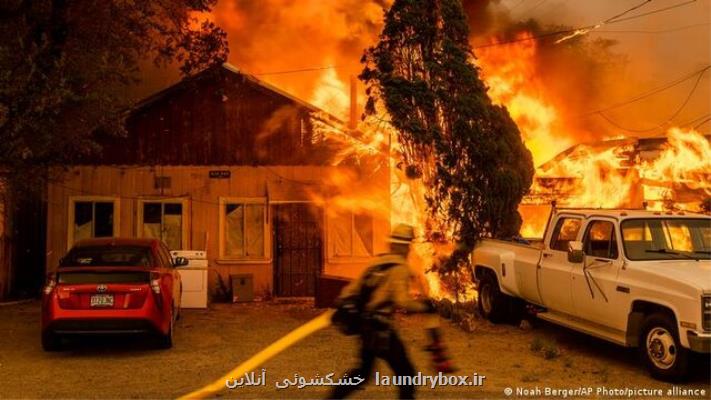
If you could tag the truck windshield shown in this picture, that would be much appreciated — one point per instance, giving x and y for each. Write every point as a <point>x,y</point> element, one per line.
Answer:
<point>667,238</point>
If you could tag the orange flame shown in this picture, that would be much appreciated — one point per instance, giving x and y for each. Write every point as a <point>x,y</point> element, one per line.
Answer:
<point>607,174</point>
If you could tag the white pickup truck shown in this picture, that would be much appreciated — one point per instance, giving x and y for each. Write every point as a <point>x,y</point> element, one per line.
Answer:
<point>635,278</point>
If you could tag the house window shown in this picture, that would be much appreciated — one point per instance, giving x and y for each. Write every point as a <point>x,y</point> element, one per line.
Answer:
<point>164,220</point>
<point>92,218</point>
<point>351,235</point>
<point>243,229</point>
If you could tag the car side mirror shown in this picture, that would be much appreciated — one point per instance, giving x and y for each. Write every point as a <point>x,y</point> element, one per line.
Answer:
<point>180,262</point>
<point>575,252</point>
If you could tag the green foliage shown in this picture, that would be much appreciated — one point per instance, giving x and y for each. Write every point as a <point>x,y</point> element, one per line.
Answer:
<point>467,150</point>
<point>548,348</point>
<point>66,65</point>
<point>537,344</point>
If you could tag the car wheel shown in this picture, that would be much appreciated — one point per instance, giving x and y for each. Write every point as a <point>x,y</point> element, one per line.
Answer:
<point>493,305</point>
<point>166,341</point>
<point>661,350</point>
<point>51,341</point>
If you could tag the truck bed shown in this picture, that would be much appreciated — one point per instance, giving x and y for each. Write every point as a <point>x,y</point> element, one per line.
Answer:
<point>517,263</point>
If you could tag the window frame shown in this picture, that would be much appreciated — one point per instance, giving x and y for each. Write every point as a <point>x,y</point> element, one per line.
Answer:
<point>332,257</point>
<point>557,228</point>
<point>614,233</point>
<point>662,218</point>
<point>71,205</point>
<point>185,228</point>
<point>267,253</point>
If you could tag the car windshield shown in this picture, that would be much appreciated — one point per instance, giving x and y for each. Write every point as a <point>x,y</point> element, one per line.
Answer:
<point>667,238</point>
<point>107,256</point>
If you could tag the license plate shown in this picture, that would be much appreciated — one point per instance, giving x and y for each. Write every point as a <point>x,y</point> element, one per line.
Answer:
<point>102,300</point>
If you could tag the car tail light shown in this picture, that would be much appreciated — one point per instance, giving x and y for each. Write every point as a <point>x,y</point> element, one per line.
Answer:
<point>155,287</point>
<point>155,282</point>
<point>50,285</point>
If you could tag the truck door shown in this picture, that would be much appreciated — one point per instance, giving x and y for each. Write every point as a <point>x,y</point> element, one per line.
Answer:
<point>595,293</point>
<point>554,270</point>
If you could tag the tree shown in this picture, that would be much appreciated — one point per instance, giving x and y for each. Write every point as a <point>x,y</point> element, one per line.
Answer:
<point>65,67</point>
<point>468,151</point>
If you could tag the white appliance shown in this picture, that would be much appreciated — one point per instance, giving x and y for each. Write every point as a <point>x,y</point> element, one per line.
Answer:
<point>194,278</point>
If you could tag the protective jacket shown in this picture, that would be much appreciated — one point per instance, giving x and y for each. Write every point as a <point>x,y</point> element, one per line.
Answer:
<point>392,286</point>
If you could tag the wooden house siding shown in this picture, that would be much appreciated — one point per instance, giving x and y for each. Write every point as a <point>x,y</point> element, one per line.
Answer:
<point>260,143</point>
<point>131,184</point>
<point>219,117</point>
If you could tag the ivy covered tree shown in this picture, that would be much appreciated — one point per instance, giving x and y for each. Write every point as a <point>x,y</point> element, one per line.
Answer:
<point>467,150</point>
<point>65,67</point>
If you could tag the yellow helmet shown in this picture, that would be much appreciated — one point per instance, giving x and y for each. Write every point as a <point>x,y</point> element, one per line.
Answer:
<point>402,233</point>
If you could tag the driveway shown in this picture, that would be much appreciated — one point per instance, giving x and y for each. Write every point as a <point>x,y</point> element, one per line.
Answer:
<point>208,343</point>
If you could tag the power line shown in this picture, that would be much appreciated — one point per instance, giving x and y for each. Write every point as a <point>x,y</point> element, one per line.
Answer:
<point>655,11</point>
<point>674,115</point>
<point>681,28</point>
<point>528,10</point>
<point>572,32</point>
<point>650,92</point>
<point>692,121</point>
<point>543,35</point>
<point>299,70</point>
<point>525,39</point>
<point>708,118</point>
<point>588,28</point>
<point>638,6</point>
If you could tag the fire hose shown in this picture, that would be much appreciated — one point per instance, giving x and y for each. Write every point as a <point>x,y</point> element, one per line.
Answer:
<point>316,324</point>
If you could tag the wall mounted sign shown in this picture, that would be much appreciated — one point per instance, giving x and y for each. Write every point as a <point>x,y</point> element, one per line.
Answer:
<point>220,174</point>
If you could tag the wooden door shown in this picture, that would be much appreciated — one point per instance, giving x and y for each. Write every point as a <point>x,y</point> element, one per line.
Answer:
<point>298,249</point>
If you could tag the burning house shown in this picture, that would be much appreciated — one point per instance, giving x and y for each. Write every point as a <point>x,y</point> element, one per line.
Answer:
<point>226,163</point>
<point>660,173</point>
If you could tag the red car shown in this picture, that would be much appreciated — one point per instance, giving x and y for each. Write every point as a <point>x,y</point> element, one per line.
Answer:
<point>113,285</point>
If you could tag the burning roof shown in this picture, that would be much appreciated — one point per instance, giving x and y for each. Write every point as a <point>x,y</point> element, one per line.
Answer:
<point>629,172</point>
<point>669,172</point>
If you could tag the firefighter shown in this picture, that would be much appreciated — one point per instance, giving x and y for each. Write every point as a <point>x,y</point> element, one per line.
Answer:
<point>382,288</point>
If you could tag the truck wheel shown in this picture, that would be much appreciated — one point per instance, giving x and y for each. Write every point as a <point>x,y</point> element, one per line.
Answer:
<point>661,350</point>
<point>51,341</point>
<point>493,305</point>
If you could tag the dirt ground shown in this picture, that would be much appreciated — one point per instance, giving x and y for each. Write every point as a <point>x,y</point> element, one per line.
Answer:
<point>211,342</point>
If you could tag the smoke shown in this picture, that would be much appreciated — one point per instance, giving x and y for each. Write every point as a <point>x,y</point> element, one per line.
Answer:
<point>269,38</point>
<point>288,43</point>
<point>620,61</point>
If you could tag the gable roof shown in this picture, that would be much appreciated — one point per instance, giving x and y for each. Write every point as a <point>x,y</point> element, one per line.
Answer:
<point>227,67</point>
